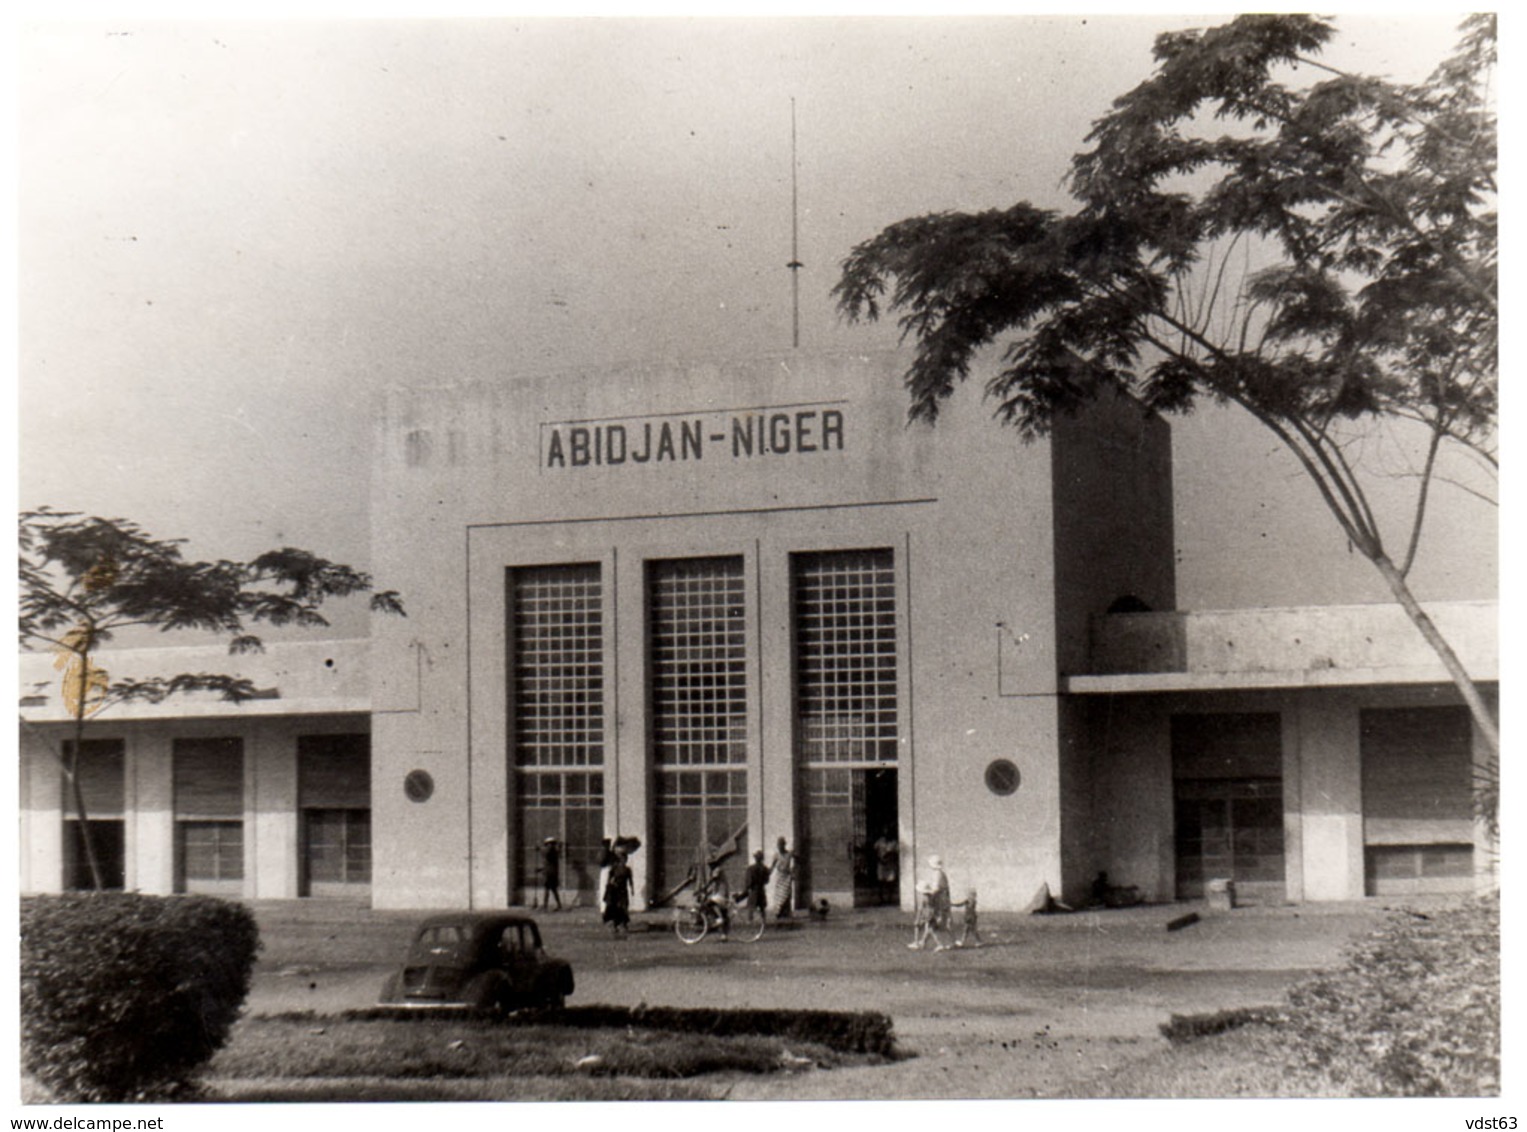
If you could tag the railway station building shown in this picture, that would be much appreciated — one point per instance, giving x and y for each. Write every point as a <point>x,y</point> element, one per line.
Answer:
<point>688,604</point>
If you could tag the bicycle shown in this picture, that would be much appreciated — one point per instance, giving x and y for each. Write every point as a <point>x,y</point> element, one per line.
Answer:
<point>694,922</point>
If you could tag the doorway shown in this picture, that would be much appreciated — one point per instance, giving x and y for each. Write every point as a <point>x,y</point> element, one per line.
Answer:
<point>1230,829</point>
<point>1228,804</point>
<point>851,821</point>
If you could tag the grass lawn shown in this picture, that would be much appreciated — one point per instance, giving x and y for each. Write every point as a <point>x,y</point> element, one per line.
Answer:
<point>313,1057</point>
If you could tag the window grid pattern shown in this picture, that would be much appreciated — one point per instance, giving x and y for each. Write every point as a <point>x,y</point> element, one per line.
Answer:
<point>551,790</point>
<point>828,786</point>
<point>845,620</point>
<point>558,668</point>
<point>699,662</point>
<point>339,846</point>
<point>696,810</point>
<point>566,805</point>
<point>212,850</point>
<point>694,789</point>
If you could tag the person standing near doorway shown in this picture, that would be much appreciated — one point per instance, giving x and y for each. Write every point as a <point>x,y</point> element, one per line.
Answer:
<point>782,881</point>
<point>551,873</point>
<point>887,850</point>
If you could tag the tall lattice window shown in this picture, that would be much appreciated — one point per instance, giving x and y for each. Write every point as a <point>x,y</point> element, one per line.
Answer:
<point>845,624</point>
<point>846,724</point>
<point>698,681</point>
<point>557,677</point>
<point>558,666</point>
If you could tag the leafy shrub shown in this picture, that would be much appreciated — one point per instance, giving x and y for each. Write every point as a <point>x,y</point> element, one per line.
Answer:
<point>124,997</point>
<point>1415,1010</point>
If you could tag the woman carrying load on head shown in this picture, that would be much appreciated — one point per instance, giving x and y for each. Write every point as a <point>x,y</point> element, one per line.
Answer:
<point>782,881</point>
<point>617,895</point>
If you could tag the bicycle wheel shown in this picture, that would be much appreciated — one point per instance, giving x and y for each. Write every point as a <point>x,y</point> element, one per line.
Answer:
<point>690,924</point>
<point>748,924</point>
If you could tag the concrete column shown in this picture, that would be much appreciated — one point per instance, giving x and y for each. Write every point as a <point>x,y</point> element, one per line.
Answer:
<point>907,794</point>
<point>758,772</point>
<point>628,775</point>
<point>1291,729</point>
<point>490,784</point>
<point>1134,795</point>
<point>273,855</point>
<point>776,699</point>
<point>151,833</point>
<point>42,815</point>
<point>1331,797</point>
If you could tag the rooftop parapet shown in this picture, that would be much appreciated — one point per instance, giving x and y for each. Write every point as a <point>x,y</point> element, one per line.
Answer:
<point>1284,647</point>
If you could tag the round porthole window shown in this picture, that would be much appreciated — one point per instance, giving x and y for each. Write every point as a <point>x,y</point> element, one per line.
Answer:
<point>1002,777</point>
<point>418,785</point>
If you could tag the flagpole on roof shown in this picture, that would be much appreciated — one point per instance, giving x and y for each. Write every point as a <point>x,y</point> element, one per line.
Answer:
<point>795,264</point>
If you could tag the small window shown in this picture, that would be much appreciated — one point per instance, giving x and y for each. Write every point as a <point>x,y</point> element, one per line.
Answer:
<point>418,786</point>
<point>1002,777</point>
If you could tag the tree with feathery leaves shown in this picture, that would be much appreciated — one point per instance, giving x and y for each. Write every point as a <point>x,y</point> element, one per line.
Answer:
<point>1319,251</point>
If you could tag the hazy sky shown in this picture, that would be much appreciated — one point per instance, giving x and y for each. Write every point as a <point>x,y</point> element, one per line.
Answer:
<point>232,234</point>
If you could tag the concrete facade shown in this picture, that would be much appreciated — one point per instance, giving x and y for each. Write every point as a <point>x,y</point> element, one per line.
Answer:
<point>990,591</point>
<point>1317,671</point>
<point>316,688</point>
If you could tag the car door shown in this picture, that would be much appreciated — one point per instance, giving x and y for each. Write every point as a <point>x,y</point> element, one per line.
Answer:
<point>517,947</point>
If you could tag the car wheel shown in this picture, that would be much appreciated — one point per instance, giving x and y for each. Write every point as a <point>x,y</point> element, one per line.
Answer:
<point>486,992</point>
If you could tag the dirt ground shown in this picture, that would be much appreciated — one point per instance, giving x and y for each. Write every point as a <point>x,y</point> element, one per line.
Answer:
<point>1049,1003</point>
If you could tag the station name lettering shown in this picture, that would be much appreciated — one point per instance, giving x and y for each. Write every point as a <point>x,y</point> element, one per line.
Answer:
<point>738,436</point>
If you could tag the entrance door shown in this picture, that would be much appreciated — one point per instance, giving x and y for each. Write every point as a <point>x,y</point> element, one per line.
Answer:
<point>1228,792</point>
<point>848,812</point>
<point>1230,829</point>
<point>875,872</point>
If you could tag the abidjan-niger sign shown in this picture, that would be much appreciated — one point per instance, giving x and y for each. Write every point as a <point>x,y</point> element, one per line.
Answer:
<point>715,435</point>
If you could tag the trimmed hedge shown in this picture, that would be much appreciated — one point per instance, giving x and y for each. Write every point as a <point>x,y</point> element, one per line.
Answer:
<point>845,1032</point>
<point>1185,1028</point>
<point>124,997</point>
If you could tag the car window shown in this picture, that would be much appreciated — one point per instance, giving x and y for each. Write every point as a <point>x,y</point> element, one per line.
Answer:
<point>447,935</point>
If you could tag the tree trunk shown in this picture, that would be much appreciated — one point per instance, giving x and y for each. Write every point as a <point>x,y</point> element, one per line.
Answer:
<point>96,880</point>
<point>1489,730</point>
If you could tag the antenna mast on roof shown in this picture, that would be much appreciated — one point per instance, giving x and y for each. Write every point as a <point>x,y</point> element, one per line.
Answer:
<point>795,264</point>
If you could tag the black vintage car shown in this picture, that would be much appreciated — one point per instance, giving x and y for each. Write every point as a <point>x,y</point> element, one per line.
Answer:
<point>481,961</point>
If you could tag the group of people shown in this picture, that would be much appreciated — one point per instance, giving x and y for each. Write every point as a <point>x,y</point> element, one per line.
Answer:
<point>615,879</point>
<point>934,922</point>
<point>767,889</point>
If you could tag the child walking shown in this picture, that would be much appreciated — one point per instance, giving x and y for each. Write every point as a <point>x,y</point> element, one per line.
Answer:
<point>968,930</point>
<point>926,923</point>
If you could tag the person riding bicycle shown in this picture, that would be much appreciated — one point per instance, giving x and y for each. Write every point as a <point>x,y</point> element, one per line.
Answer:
<point>716,894</point>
